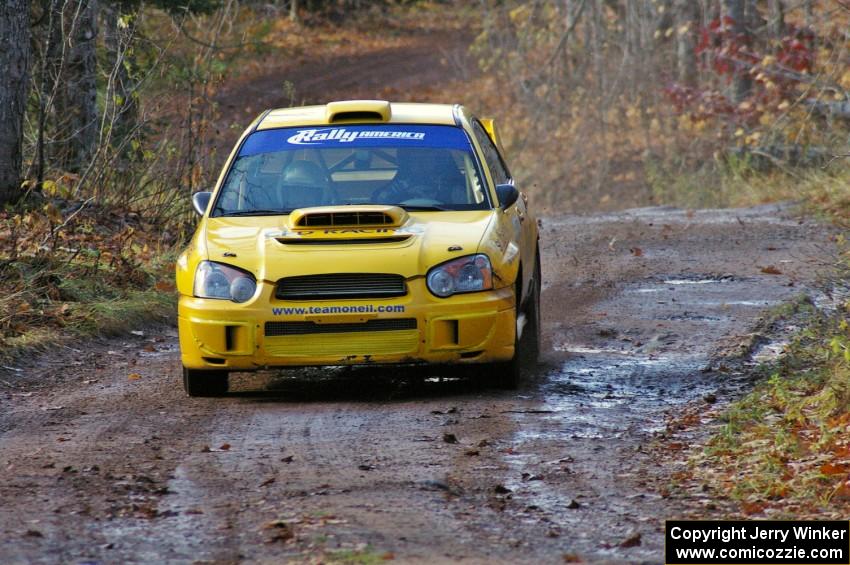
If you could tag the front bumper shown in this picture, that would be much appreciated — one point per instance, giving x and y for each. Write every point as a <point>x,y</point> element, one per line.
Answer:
<point>416,328</point>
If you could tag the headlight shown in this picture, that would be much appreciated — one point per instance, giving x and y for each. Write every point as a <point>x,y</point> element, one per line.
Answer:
<point>216,280</point>
<point>467,274</point>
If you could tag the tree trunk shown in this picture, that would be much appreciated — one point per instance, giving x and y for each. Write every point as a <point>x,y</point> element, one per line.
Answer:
<point>777,19</point>
<point>293,10</point>
<point>76,103</point>
<point>687,23</point>
<point>809,11</point>
<point>14,86</point>
<point>741,85</point>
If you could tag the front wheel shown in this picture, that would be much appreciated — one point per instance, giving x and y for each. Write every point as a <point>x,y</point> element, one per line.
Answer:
<point>526,346</point>
<point>201,382</point>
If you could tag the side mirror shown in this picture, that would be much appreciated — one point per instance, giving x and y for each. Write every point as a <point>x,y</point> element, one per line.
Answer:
<point>508,195</point>
<point>200,201</point>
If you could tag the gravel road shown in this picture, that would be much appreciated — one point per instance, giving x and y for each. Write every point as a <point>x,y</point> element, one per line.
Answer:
<point>104,460</point>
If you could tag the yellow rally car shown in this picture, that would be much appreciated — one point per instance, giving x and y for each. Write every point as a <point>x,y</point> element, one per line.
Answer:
<point>360,232</point>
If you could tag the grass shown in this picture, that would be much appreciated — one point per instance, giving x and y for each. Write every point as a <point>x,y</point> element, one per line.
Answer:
<point>786,444</point>
<point>365,556</point>
<point>95,280</point>
<point>135,309</point>
<point>736,181</point>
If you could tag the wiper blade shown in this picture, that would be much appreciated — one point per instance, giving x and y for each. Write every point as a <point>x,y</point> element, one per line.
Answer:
<point>256,212</point>
<point>425,208</point>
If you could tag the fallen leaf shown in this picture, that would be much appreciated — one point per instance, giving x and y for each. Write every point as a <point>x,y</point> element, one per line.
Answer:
<point>752,507</point>
<point>833,469</point>
<point>449,438</point>
<point>281,531</point>
<point>631,541</point>
<point>164,286</point>
<point>842,493</point>
<point>134,376</point>
<point>287,459</point>
<point>222,447</point>
<point>435,485</point>
<point>636,251</point>
<point>771,270</point>
<point>472,452</point>
<point>267,482</point>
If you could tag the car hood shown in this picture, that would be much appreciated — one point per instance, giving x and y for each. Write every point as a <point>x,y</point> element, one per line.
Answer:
<point>271,249</point>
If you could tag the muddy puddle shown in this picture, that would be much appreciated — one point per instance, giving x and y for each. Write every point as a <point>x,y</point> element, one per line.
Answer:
<point>608,390</point>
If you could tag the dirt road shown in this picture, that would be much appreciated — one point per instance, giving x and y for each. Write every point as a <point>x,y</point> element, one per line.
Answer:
<point>104,460</point>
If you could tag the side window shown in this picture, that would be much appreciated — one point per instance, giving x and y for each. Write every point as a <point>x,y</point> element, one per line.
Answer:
<point>497,167</point>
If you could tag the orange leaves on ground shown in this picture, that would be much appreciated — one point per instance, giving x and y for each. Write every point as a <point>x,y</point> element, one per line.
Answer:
<point>750,508</point>
<point>165,286</point>
<point>841,493</point>
<point>834,469</point>
<point>771,270</point>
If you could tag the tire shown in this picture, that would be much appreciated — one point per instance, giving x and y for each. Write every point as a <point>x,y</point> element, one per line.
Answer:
<point>200,382</point>
<point>532,328</point>
<point>527,349</point>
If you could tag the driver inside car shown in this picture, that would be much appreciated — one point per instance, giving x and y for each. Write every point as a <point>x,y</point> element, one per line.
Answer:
<point>424,176</point>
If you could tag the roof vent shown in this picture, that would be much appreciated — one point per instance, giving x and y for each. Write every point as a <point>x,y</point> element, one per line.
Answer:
<point>358,110</point>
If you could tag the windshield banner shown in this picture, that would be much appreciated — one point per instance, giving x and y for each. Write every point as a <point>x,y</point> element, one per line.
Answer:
<point>355,136</point>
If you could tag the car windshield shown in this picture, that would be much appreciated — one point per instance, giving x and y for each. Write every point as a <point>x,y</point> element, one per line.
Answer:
<point>413,166</point>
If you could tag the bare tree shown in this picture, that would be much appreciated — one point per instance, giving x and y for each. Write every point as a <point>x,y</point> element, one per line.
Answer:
<point>14,68</point>
<point>777,18</point>
<point>736,11</point>
<point>687,22</point>
<point>76,102</point>
<point>119,28</point>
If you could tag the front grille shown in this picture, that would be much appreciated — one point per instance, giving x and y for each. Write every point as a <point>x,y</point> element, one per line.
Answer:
<point>331,219</point>
<point>340,285</point>
<point>308,328</point>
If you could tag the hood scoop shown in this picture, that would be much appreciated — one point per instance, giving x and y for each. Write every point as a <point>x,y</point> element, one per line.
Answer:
<point>345,225</point>
<point>347,217</point>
